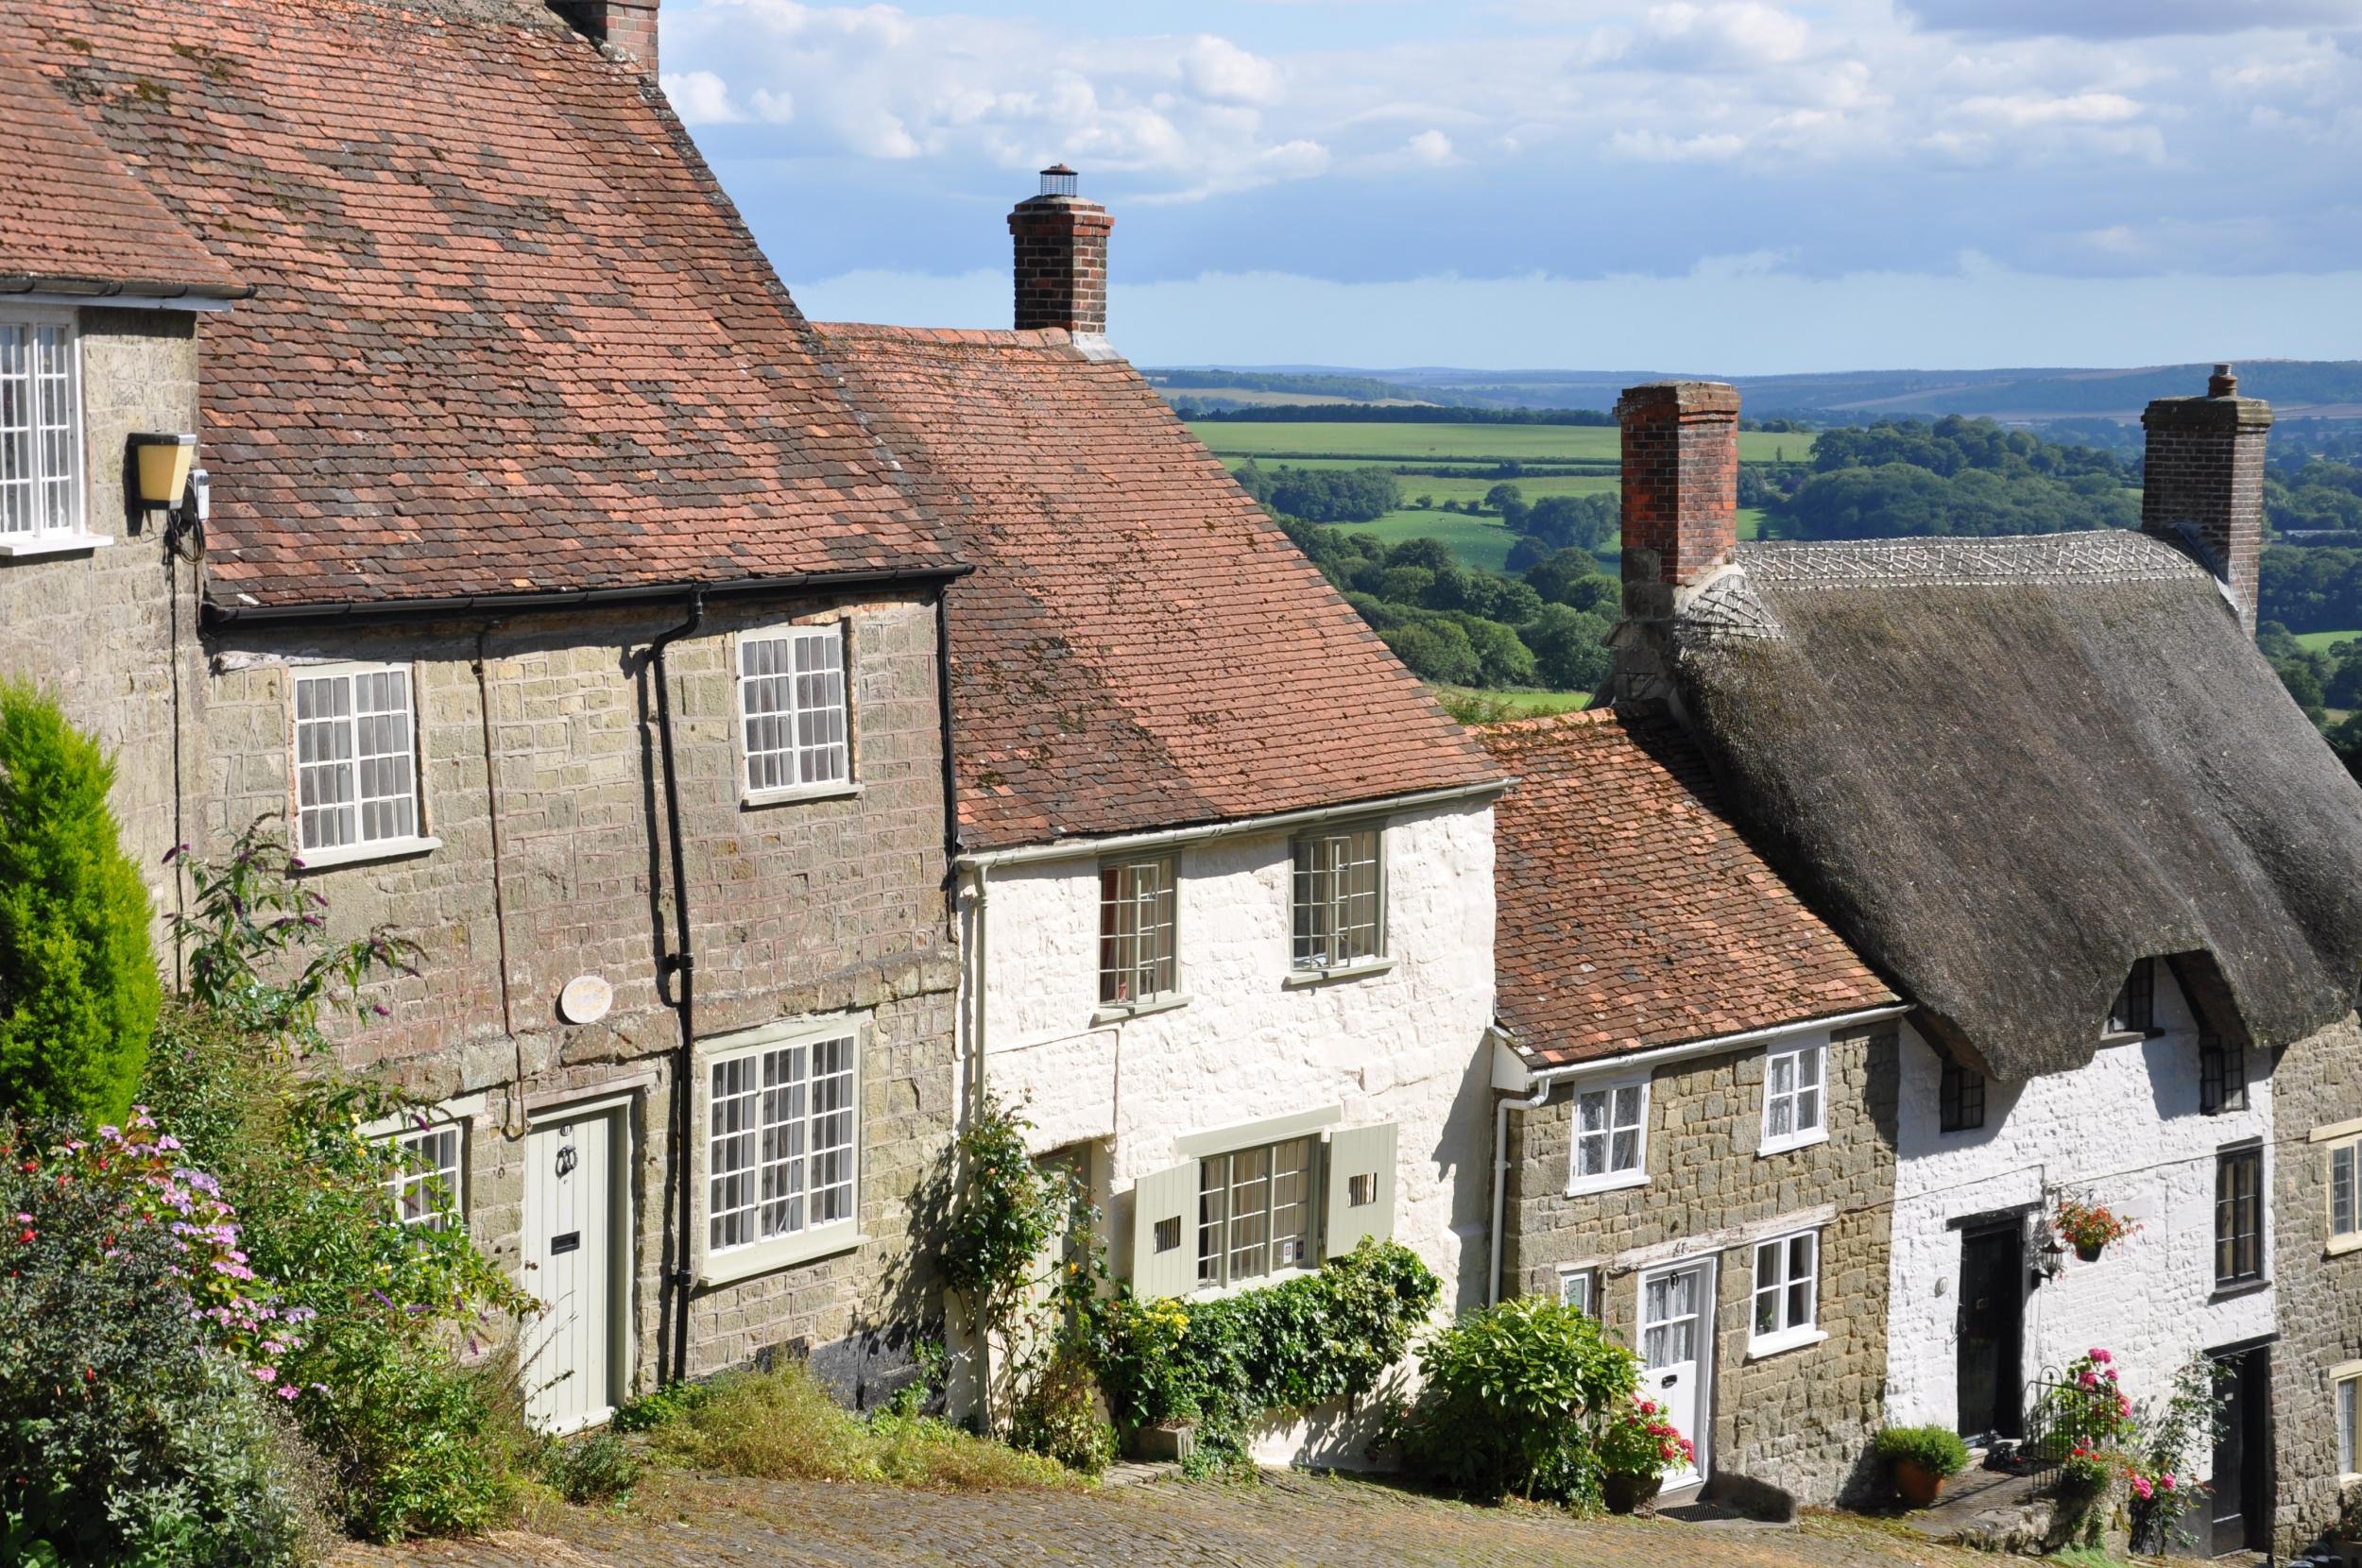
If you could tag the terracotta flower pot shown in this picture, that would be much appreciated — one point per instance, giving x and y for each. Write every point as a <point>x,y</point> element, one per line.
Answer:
<point>2089,1251</point>
<point>1626,1493</point>
<point>1919,1485</point>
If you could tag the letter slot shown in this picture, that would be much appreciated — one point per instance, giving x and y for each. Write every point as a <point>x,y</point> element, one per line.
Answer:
<point>571,1241</point>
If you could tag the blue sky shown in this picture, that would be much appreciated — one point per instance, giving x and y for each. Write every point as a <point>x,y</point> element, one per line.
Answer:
<point>1735,186</point>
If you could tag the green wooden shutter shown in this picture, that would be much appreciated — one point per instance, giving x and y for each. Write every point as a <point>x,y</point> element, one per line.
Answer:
<point>1164,1211</point>
<point>1361,1186</point>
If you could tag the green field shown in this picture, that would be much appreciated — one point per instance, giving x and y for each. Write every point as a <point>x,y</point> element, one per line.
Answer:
<point>1421,443</point>
<point>1478,542</point>
<point>1513,705</point>
<point>2312,642</point>
<point>1416,485</point>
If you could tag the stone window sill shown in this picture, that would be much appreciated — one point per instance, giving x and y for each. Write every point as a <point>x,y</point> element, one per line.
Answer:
<point>1116,1013</point>
<point>1361,970</point>
<point>355,854</point>
<point>764,1258</point>
<point>2340,1245</point>
<point>755,799</point>
<point>2244,1288</point>
<point>1779,1345</point>
<point>1584,1186</point>
<point>1789,1145</point>
<point>52,544</point>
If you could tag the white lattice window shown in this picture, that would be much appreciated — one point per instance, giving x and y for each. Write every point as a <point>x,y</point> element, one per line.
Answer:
<point>2348,1393</point>
<point>1579,1288</point>
<point>429,1187</point>
<point>1255,1210</point>
<point>793,726</point>
<point>1137,916</point>
<point>2345,1193</point>
<point>1795,1098</point>
<point>1338,907</point>
<point>780,1140</point>
<point>1786,1293</point>
<point>355,760</point>
<point>1611,1141</point>
<point>40,429</point>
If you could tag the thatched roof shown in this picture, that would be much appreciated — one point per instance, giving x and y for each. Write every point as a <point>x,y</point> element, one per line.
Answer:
<point>2006,769</point>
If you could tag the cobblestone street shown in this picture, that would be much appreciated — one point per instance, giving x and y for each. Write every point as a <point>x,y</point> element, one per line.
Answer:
<point>1291,1518</point>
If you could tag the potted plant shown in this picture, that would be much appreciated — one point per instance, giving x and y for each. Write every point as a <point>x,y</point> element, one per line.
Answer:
<point>2088,1227</point>
<point>1919,1459</point>
<point>1639,1446</point>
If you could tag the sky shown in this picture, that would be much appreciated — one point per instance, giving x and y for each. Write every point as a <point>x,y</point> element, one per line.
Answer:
<point>1708,186</point>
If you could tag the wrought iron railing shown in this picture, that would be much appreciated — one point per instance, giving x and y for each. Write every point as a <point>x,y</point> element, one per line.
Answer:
<point>2062,1415</point>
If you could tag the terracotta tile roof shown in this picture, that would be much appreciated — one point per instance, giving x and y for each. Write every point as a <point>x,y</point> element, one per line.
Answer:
<point>1139,647</point>
<point>1630,913</point>
<point>74,219</point>
<point>509,335</point>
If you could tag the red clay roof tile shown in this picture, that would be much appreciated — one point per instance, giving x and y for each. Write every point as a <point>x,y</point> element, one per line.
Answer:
<point>510,337</point>
<point>1139,647</point>
<point>74,219</point>
<point>1630,913</point>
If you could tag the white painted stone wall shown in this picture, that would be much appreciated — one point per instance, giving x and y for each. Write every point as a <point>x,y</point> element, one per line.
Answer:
<point>1407,1046</point>
<point>2124,1131</point>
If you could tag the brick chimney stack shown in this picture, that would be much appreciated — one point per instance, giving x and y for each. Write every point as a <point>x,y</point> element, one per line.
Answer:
<point>1061,257</point>
<point>2204,486</point>
<point>1681,488</point>
<point>626,27</point>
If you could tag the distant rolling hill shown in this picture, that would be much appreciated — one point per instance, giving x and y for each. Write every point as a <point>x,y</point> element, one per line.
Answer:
<point>2315,388</point>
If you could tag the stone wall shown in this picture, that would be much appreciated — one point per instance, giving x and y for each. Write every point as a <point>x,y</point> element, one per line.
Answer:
<point>2317,1085</point>
<point>97,628</point>
<point>817,907</point>
<point>1799,1420</point>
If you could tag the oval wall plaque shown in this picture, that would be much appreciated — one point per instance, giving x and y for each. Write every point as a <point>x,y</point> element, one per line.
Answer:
<point>585,1001</point>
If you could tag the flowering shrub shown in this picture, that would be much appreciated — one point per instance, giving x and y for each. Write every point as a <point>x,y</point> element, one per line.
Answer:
<point>2088,1227</point>
<point>1638,1440</point>
<point>1518,1400</point>
<point>2089,1411</point>
<point>141,1402</point>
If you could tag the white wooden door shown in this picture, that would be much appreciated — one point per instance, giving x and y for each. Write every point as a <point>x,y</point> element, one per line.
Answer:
<point>569,1264</point>
<point>1676,1353</point>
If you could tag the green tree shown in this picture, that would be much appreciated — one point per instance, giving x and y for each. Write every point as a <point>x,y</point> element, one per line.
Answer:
<point>1503,496</point>
<point>1571,650</point>
<point>78,989</point>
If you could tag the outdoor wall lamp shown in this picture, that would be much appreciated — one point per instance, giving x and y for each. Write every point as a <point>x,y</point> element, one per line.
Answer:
<point>2053,1258</point>
<point>161,477</point>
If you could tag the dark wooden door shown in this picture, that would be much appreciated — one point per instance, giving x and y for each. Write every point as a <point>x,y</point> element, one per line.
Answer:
<point>1992,1333</point>
<point>2242,1499</point>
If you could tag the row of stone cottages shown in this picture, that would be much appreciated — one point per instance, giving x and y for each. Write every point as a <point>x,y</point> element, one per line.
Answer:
<point>780,735</point>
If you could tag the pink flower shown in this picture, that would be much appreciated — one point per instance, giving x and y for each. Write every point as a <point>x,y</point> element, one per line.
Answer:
<point>2140,1484</point>
<point>2166,1480</point>
<point>2100,1356</point>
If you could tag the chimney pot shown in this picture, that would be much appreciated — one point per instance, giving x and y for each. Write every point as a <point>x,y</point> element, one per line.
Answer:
<point>2203,482</point>
<point>1061,243</point>
<point>1681,488</point>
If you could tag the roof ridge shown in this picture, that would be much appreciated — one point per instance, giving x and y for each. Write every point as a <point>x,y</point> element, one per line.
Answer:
<point>1034,338</point>
<point>1538,722</point>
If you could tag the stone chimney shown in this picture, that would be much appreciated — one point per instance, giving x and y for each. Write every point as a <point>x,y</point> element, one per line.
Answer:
<point>1681,489</point>
<point>1061,258</point>
<point>2204,487</point>
<point>625,27</point>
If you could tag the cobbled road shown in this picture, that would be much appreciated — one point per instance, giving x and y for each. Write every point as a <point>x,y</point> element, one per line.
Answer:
<point>1291,1518</point>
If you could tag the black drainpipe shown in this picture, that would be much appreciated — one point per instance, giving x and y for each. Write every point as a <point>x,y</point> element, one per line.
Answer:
<point>676,983</point>
<point>951,772</point>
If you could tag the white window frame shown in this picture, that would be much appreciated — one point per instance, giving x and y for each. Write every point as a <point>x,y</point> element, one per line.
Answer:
<point>2345,1151</point>
<point>2345,1406</point>
<point>1314,1183</point>
<point>418,840</point>
<point>1789,1331</point>
<point>1165,967</point>
<point>1796,1057</point>
<point>1312,956</point>
<point>828,756</point>
<point>1579,1287</point>
<point>804,1239</point>
<point>48,535</point>
<point>1609,1178</point>
<point>447,1180</point>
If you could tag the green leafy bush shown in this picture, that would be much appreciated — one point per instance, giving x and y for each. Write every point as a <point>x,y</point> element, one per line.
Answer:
<point>414,1440</point>
<point>656,1406</point>
<point>139,1419</point>
<point>1516,1401</point>
<point>1058,1416</point>
<point>78,988</point>
<point>1936,1450</point>
<point>1229,1362</point>
<point>601,1468</point>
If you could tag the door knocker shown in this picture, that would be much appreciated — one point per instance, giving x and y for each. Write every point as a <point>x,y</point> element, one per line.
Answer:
<point>567,1159</point>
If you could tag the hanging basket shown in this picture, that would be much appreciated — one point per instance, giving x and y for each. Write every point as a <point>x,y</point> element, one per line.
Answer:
<point>2089,1251</point>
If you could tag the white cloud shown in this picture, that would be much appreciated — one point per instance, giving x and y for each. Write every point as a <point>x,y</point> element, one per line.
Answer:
<point>1656,147</point>
<point>2078,109</point>
<point>1219,69</point>
<point>1429,146</point>
<point>1728,35</point>
<point>701,98</point>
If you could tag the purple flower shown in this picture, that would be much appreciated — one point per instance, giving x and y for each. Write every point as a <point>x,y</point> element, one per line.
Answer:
<point>379,1008</point>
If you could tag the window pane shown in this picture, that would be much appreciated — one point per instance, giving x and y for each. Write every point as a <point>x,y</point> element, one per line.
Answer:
<point>2342,1195</point>
<point>1213,1188</point>
<point>326,781</point>
<point>2348,1422</point>
<point>1291,1206</point>
<point>1807,1109</point>
<point>1250,1215</point>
